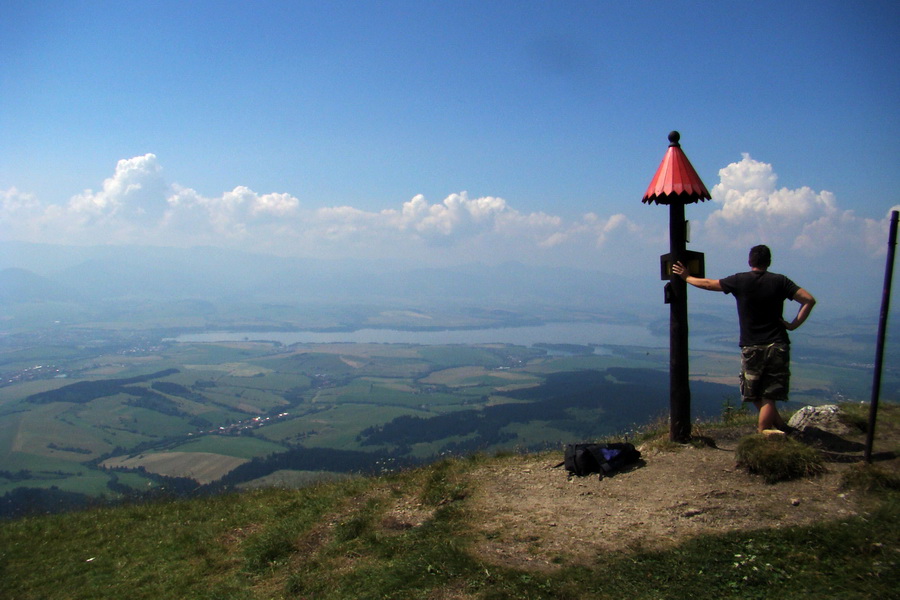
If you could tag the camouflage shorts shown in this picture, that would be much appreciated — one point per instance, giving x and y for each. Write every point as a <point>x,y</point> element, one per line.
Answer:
<point>765,372</point>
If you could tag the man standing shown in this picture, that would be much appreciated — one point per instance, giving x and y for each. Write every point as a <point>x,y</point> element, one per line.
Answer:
<point>765,346</point>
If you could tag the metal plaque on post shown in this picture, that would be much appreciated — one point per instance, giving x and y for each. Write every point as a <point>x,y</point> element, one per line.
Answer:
<point>694,261</point>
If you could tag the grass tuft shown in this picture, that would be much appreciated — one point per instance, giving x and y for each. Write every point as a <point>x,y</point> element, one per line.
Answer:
<point>778,458</point>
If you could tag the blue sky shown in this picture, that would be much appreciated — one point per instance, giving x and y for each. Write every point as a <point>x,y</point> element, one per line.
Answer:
<point>452,132</point>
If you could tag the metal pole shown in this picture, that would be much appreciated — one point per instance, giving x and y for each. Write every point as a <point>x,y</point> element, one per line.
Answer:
<point>679,381</point>
<point>882,325</point>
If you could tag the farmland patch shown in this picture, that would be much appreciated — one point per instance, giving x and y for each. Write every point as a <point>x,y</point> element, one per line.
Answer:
<point>203,467</point>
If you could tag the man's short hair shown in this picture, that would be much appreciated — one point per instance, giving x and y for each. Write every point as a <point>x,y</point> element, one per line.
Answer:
<point>760,257</point>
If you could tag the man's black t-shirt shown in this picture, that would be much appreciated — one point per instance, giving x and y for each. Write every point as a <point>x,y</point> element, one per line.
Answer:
<point>760,299</point>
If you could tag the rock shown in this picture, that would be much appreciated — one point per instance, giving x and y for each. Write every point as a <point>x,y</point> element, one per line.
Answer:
<point>795,501</point>
<point>824,418</point>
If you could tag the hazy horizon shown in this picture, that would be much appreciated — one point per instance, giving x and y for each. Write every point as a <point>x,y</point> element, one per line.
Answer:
<point>447,134</point>
<point>107,274</point>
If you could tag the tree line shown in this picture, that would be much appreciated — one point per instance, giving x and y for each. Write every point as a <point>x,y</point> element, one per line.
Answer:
<point>82,392</point>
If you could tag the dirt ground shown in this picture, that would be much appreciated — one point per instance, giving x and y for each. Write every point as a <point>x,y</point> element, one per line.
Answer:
<point>532,515</point>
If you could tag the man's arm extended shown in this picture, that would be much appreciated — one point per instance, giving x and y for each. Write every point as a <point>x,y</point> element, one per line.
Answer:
<point>705,284</point>
<point>807,302</point>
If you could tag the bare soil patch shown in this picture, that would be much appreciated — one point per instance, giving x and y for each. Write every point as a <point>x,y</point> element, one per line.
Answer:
<point>529,514</point>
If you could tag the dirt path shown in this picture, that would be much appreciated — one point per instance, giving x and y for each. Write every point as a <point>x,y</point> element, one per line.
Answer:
<point>532,515</point>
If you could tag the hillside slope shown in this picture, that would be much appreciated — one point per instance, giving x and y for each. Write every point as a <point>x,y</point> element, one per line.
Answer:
<point>686,522</point>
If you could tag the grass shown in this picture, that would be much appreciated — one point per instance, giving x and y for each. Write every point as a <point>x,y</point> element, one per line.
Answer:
<point>407,535</point>
<point>849,559</point>
<point>855,416</point>
<point>322,545</point>
<point>870,478</point>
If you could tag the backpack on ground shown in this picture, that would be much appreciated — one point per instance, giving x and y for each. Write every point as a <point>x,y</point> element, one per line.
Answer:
<point>605,459</point>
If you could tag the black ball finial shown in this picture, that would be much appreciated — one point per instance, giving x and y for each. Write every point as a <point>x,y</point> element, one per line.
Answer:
<point>674,138</point>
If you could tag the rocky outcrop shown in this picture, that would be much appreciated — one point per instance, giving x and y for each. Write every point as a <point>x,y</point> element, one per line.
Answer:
<point>823,418</point>
<point>822,427</point>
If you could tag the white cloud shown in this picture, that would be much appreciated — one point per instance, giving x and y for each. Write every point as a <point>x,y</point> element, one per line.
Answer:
<point>612,233</point>
<point>456,220</point>
<point>20,214</point>
<point>752,209</point>
<point>277,205</point>
<point>136,189</point>
<point>13,203</point>
<point>234,215</point>
<point>456,216</point>
<point>137,205</point>
<point>616,224</point>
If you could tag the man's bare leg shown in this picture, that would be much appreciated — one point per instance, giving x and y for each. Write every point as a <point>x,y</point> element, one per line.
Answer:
<point>769,417</point>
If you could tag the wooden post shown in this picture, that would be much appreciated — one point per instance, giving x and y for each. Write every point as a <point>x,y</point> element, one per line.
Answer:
<point>676,183</point>
<point>679,372</point>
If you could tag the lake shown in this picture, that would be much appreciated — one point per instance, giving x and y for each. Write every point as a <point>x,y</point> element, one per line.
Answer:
<point>599,334</point>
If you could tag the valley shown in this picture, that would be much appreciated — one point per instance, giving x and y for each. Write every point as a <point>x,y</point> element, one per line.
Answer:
<point>101,416</point>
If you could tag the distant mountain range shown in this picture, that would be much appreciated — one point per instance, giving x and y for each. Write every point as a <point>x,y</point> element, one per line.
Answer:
<point>22,285</point>
<point>40,272</point>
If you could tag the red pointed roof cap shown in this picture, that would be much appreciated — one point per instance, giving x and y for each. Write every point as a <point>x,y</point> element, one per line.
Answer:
<point>675,179</point>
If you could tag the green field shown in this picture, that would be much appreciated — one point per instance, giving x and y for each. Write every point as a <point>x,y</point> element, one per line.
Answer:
<point>180,408</point>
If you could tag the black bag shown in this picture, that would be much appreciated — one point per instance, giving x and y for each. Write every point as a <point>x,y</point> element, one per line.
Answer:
<point>605,459</point>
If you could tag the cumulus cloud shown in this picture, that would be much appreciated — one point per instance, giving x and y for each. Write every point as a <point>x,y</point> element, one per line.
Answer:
<point>137,205</point>
<point>18,207</point>
<point>231,215</point>
<point>459,217</point>
<point>136,190</point>
<point>753,209</point>
<point>456,220</point>
<point>13,203</point>
<point>456,216</point>
<point>20,214</point>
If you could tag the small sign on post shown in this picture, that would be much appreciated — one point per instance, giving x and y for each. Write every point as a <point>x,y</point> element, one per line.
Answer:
<point>694,262</point>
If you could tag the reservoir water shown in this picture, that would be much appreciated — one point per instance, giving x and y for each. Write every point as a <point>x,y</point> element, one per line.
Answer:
<point>550,333</point>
